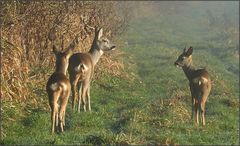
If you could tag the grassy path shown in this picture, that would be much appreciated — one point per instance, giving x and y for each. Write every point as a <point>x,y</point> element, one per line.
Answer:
<point>154,108</point>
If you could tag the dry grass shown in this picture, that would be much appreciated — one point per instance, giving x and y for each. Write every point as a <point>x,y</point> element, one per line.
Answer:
<point>30,29</point>
<point>14,75</point>
<point>18,76</point>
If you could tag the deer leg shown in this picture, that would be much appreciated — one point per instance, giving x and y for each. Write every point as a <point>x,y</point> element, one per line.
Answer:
<point>56,117</point>
<point>64,105</point>
<point>202,107</point>
<point>203,113</point>
<point>196,112</point>
<point>193,99</point>
<point>88,96</point>
<point>193,104</point>
<point>73,81</point>
<point>73,88</point>
<point>79,96</point>
<point>85,86</point>
<point>53,98</point>
<point>203,102</point>
<point>61,118</point>
<point>53,120</point>
<point>84,100</point>
<point>64,117</point>
<point>62,110</point>
<point>61,122</point>
<point>51,103</point>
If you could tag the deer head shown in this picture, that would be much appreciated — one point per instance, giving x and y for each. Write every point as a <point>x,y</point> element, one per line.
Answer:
<point>185,59</point>
<point>62,57</point>
<point>102,42</point>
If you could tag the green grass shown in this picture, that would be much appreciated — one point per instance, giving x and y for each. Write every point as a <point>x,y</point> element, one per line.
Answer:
<point>154,108</point>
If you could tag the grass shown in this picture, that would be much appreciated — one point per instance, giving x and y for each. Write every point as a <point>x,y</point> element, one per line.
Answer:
<point>152,106</point>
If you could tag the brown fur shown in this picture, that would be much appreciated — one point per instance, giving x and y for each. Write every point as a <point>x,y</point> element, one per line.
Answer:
<point>81,68</point>
<point>59,88</point>
<point>199,83</point>
<point>81,78</point>
<point>58,98</point>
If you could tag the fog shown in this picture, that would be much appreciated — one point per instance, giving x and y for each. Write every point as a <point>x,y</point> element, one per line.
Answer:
<point>198,21</point>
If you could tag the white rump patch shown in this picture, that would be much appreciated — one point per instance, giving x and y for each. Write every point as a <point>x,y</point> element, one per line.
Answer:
<point>81,67</point>
<point>64,86</point>
<point>85,68</point>
<point>77,68</point>
<point>204,79</point>
<point>54,86</point>
<point>200,80</point>
<point>197,81</point>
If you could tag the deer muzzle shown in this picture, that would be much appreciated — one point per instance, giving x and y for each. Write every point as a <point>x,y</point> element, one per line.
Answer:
<point>113,47</point>
<point>176,64</point>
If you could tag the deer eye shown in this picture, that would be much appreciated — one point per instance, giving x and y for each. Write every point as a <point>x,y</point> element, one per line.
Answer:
<point>104,40</point>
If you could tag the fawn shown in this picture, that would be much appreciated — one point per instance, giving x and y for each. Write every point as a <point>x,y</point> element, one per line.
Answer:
<point>199,82</point>
<point>58,87</point>
<point>81,68</point>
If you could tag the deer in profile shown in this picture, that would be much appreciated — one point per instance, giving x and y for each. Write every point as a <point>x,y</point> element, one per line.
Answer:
<point>199,82</point>
<point>81,69</point>
<point>58,87</point>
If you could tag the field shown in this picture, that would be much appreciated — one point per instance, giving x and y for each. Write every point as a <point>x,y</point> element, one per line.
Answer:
<point>153,104</point>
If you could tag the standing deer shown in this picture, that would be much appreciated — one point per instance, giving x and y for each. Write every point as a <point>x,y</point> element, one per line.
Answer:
<point>81,68</point>
<point>59,87</point>
<point>199,82</point>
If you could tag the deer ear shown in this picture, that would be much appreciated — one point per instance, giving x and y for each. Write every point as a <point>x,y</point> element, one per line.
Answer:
<point>100,33</point>
<point>184,50</point>
<point>55,50</point>
<point>189,51</point>
<point>72,45</point>
<point>69,53</point>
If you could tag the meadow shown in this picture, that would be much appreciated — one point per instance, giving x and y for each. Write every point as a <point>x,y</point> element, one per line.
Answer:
<point>152,104</point>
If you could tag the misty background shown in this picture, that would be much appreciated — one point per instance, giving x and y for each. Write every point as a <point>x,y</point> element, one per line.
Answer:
<point>201,23</point>
<point>211,28</point>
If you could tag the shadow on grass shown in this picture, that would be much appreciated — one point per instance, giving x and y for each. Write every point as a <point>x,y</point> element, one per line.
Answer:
<point>118,126</point>
<point>32,117</point>
<point>95,140</point>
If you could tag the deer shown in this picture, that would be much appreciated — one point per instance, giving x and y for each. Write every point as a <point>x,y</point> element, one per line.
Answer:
<point>58,86</point>
<point>81,69</point>
<point>199,83</point>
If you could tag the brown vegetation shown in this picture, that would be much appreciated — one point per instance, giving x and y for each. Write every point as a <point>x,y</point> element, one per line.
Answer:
<point>28,26</point>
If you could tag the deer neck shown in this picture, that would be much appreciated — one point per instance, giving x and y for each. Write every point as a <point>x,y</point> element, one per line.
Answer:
<point>188,70</point>
<point>61,68</point>
<point>95,53</point>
